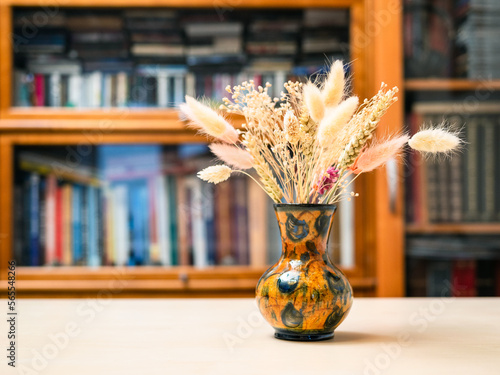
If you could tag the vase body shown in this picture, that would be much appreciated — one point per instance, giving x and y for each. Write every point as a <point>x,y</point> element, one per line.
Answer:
<point>304,296</point>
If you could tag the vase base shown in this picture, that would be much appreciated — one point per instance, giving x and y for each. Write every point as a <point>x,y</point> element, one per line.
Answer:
<point>303,336</point>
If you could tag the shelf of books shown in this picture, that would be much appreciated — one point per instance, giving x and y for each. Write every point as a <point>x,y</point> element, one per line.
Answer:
<point>148,59</point>
<point>453,203</point>
<point>98,173</point>
<point>139,213</point>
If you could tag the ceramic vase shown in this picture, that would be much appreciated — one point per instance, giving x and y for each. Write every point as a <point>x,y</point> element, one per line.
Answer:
<point>304,296</point>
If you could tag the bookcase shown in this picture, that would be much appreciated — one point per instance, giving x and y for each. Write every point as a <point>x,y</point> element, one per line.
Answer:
<point>56,118</point>
<point>453,226</point>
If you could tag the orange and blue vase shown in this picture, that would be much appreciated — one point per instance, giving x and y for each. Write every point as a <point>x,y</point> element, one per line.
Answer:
<point>304,296</point>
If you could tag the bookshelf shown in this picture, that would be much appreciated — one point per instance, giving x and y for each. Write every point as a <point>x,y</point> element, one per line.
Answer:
<point>377,268</point>
<point>453,226</point>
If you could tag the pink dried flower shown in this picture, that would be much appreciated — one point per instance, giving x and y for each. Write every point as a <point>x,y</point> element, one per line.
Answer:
<point>328,180</point>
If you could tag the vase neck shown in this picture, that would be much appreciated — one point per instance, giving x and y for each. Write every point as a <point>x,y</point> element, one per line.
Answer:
<point>304,229</point>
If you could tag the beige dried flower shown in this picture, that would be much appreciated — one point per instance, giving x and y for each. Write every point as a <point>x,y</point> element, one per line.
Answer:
<point>209,121</point>
<point>292,128</point>
<point>333,91</point>
<point>215,174</point>
<point>434,140</point>
<point>232,155</point>
<point>335,119</point>
<point>294,139</point>
<point>379,154</point>
<point>313,101</point>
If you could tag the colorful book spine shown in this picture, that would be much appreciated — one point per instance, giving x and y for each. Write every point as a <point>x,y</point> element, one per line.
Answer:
<point>67,225</point>
<point>76,219</point>
<point>120,221</point>
<point>34,233</point>
<point>163,227</point>
<point>59,226</point>
<point>50,227</point>
<point>94,259</point>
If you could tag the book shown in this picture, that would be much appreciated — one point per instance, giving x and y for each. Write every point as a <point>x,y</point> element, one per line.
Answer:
<point>257,224</point>
<point>161,202</point>
<point>417,277</point>
<point>50,217</point>
<point>94,256</point>
<point>240,216</point>
<point>59,227</point>
<point>224,224</point>
<point>34,219</point>
<point>183,221</point>
<point>439,279</point>
<point>67,230</point>
<point>464,278</point>
<point>198,226</point>
<point>139,223</point>
<point>77,224</point>
<point>120,222</point>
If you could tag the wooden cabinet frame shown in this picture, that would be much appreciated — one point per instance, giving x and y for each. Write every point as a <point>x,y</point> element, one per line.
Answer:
<point>375,47</point>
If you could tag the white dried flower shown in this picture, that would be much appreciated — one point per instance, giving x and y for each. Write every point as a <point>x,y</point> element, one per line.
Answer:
<point>313,101</point>
<point>292,127</point>
<point>215,173</point>
<point>335,119</point>
<point>209,121</point>
<point>333,90</point>
<point>434,140</point>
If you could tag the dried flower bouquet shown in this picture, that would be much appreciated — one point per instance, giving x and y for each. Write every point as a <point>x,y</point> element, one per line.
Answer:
<point>308,145</point>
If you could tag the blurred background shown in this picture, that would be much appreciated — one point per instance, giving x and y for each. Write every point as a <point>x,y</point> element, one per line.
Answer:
<point>98,182</point>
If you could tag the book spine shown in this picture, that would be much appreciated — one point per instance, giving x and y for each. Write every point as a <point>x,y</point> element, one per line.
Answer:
<point>39,90</point>
<point>120,220</point>
<point>34,237</point>
<point>163,89</point>
<point>109,231</point>
<point>433,203</point>
<point>94,259</point>
<point>179,91</point>
<point>50,227</point>
<point>464,278</point>
<point>198,229</point>
<point>59,226</point>
<point>488,213</point>
<point>456,176</point>
<point>163,220</point>
<point>121,89</point>
<point>55,99</point>
<point>209,220</point>
<point>67,225</point>
<point>223,223</point>
<point>154,207</point>
<point>257,224</point>
<point>173,202</point>
<point>472,210</point>
<point>182,215</point>
<point>76,219</point>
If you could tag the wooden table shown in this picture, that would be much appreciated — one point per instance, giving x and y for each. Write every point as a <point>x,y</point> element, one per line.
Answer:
<point>228,336</point>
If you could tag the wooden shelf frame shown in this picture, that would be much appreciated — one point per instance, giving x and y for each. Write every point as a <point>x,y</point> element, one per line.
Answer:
<point>436,84</point>
<point>379,254</point>
<point>152,281</point>
<point>454,228</point>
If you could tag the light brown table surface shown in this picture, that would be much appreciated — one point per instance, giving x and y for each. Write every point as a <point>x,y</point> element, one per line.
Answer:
<point>227,336</point>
